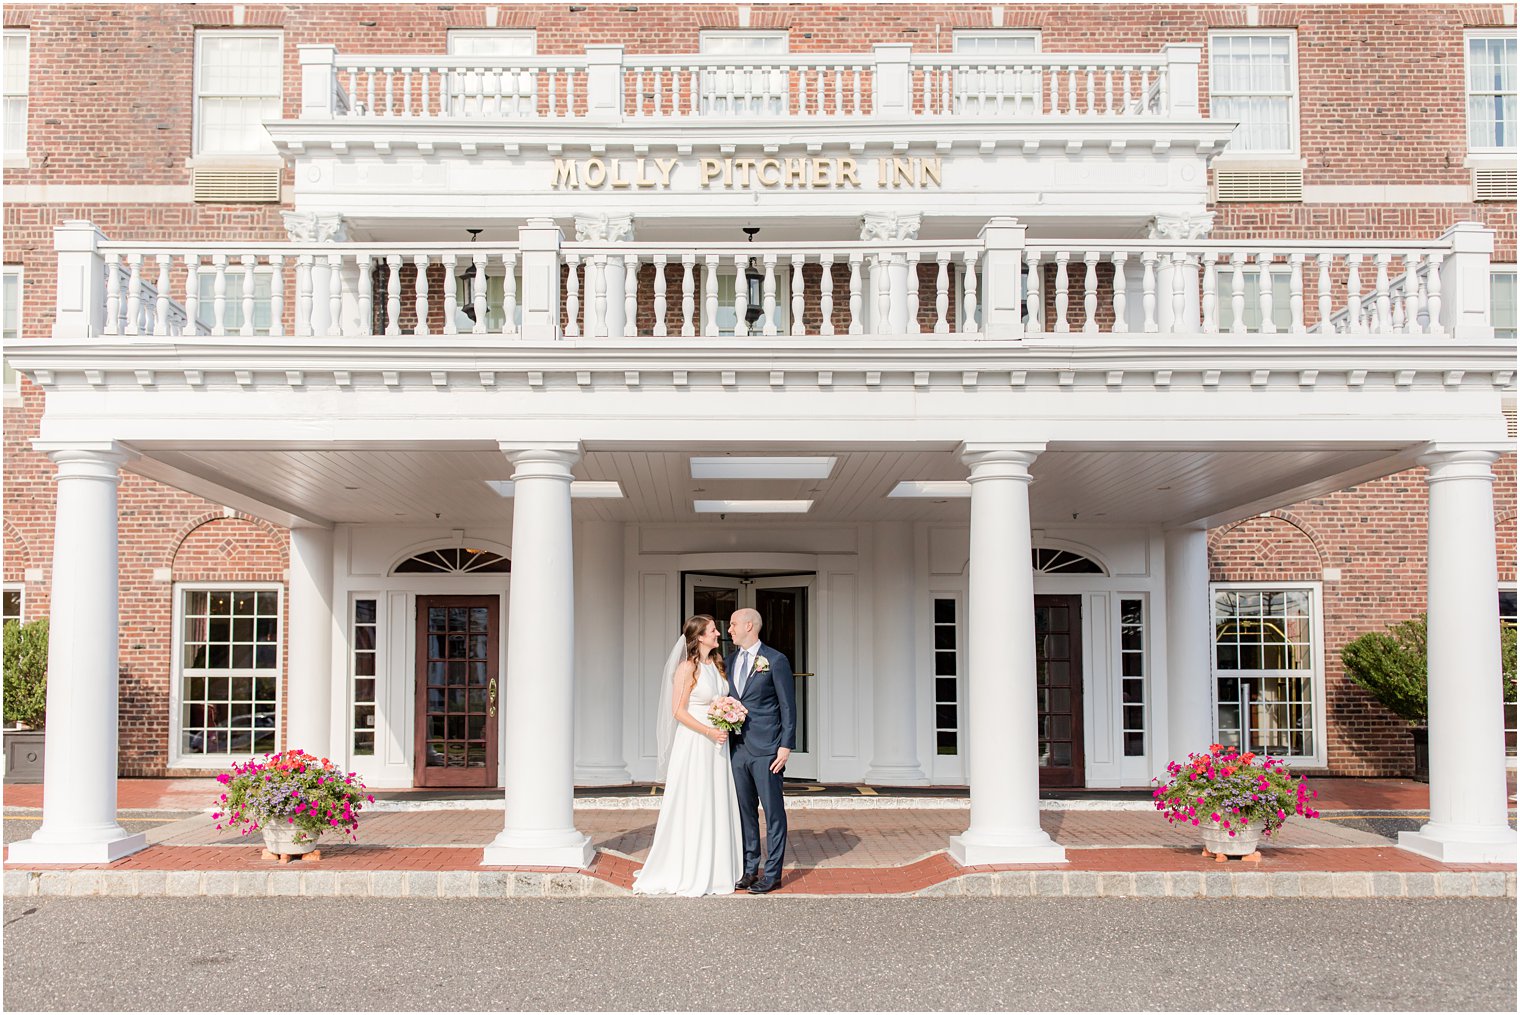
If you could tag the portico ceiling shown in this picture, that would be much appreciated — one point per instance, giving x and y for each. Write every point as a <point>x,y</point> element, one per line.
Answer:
<point>1100,486</point>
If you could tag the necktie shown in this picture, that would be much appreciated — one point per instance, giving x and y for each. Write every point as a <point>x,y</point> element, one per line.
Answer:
<point>743,670</point>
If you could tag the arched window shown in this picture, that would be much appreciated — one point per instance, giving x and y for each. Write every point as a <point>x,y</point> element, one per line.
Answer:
<point>455,560</point>
<point>1048,560</point>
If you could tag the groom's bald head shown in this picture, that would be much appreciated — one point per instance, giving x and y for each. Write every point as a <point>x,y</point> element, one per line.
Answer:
<point>744,627</point>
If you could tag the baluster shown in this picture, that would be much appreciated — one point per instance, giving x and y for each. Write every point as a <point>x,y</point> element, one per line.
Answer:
<point>798,295</point>
<point>695,91</point>
<point>1264,293</point>
<point>134,294</point>
<point>1124,96</point>
<point>1034,299</point>
<point>1354,317</point>
<point>113,294</point>
<point>882,270</point>
<point>572,296</point>
<point>1237,293</point>
<point>192,264</point>
<point>857,322</point>
<point>1434,323</point>
<point>248,261</point>
<point>1296,293</point>
<point>423,77</point>
<point>393,294</point>
<point>1419,311</point>
<point>1163,90</point>
<point>1181,323</point>
<point>1143,100</point>
<point>353,89</point>
<point>630,295</point>
<point>969,260</point>
<point>508,292</point>
<point>1384,309</point>
<point>1210,298</point>
<point>1055,90</point>
<point>1091,103</point>
<point>768,307</point>
<point>303,295</point>
<point>660,304</point>
<point>942,293</point>
<point>1071,89</point>
<point>913,299</point>
<point>450,293</point>
<point>688,291</point>
<point>335,294</point>
<point>551,92</point>
<point>161,305</point>
<point>599,327</point>
<point>1326,302</point>
<point>826,295</point>
<point>1399,300</point>
<point>1148,291</point>
<point>1121,294</point>
<point>710,296</point>
<point>366,294</point>
<point>406,91</point>
<point>1108,91</point>
<point>369,80</point>
<point>218,295</point>
<point>1063,295</point>
<point>390,90</point>
<point>1090,292</point>
<point>855,93</point>
<point>741,298</point>
<point>820,90</point>
<point>478,295</point>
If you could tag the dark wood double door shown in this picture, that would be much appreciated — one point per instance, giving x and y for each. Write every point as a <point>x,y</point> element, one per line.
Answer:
<point>458,690</point>
<point>1058,690</point>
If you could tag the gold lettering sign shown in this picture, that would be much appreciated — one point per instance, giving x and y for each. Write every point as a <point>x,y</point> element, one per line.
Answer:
<point>810,173</point>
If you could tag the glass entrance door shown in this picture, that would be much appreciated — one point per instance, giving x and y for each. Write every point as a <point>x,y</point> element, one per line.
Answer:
<point>783,603</point>
<point>458,690</point>
<point>1058,682</point>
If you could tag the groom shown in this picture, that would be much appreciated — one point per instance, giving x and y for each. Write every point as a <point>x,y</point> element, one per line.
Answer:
<point>762,681</point>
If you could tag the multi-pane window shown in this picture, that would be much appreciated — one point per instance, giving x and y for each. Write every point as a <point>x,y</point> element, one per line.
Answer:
<point>1132,674</point>
<point>739,90</point>
<point>1253,79</point>
<point>743,43</point>
<point>1264,667</point>
<point>947,668</point>
<point>365,628</point>
<point>13,604</point>
<point>996,43</point>
<point>228,644</point>
<point>10,315</point>
<point>232,296</point>
<point>491,42</point>
<point>1282,309</point>
<point>972,84</point>
<point>1491,117</point>
<point>1507,618</point>
<point>17,65</point>
<point>237,88</point>
<point>1501,301</point>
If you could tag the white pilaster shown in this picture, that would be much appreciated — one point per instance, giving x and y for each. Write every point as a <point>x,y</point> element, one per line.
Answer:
<point>893,660</point>
<point>79,823</point>
<point>599,654</point>
<point>1190,726</point>
<point>1003,764</point>
<point>1468,810</point>
<point>309,661</point>
<point>539,777</point>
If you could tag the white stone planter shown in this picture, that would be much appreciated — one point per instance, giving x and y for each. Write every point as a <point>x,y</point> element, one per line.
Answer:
<point>289,840</point>
<point>1221,843</point>
<point>23,755</point>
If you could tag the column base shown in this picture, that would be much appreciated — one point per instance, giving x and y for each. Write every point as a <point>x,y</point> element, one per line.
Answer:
<point>566,848</point>
<point>40,851</point>
<point>602,775</point>
<point>1461,843</point>
<point>975,850</point>
<point>895,775</point>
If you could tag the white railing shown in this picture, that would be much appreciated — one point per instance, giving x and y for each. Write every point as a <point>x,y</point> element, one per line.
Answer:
<point>998,286</point>
<point>605,84</point>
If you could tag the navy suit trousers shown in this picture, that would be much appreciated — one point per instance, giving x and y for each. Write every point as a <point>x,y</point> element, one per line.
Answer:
<point>754,782</point>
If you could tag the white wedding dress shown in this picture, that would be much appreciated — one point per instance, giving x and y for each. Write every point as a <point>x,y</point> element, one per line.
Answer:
<point>698,845</point>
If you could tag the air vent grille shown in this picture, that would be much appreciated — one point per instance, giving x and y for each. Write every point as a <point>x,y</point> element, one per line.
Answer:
<point>1510,427</point>
<point>237,186</point>
<point>1493,184</point>
<point>1259,185</point>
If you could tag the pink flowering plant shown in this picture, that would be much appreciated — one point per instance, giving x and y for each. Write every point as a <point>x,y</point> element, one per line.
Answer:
<point>727,714</point>
<point>291,788</point>
<point>1232,790</point>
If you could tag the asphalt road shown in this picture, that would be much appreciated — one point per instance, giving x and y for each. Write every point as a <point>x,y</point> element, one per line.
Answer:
<point>758,953</point>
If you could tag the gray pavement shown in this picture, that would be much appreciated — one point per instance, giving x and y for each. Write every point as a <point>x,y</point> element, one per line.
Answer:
<point>778,954</point>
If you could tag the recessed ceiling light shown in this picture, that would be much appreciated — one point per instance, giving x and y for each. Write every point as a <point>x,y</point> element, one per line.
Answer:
<point>752,507</point>
<point>732,467</point>
<point>580,489</point>
<point>931,488</point>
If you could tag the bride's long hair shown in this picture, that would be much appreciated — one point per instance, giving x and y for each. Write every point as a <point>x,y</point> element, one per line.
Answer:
<point>692,631</point>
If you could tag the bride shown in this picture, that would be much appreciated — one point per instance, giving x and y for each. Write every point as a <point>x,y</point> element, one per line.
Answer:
<point>698,844</point>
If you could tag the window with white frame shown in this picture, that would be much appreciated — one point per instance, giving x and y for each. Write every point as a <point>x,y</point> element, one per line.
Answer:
<point>14,603</point>
<point>227,644</point>
<point>1491,119</point>
<point>1508,618</point>
<point>739,89</point>
<point>1266,669</point>
<point>10,325</point>
<point>1282,309</point>
<point>237,88</point>
<point>995,42</point>
<point>947,669</point>
<point>1501,301</point>
<point>728,281</point>
<point>363,646</point>
<point>496,300</point>
<point>232,298</point>
<point>17,68</point>
<point>507,92</point>
<point>742,43</point>
<point>980,89</point>
<point>1253,79</point>
<point>1132,675</point>
<point>492,42</point>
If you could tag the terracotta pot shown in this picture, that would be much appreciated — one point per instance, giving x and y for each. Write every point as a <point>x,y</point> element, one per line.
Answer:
<point>1219,840</point>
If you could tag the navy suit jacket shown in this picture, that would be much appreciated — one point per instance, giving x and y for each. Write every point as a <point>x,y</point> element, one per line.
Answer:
<point>771,698</point>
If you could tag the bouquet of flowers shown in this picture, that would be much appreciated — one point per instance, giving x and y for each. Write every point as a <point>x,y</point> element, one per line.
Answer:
<point>295,788</point>
<point>727,714</point>
<point>1230,789</point>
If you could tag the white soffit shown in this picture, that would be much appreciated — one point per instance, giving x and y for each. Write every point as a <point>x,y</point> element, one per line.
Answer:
<point>736,467</point>
<point>938,489</point>
<point>752,507</point>
<point>579,489</point>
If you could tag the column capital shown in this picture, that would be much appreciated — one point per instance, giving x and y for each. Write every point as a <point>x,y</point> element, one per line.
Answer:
<point>890,225</point>
<point>1181,227</point>
<point>102,459</point>
<point>1000,461</point>
<point>550,460</point>
<point>309,227</point>
<point>1458,461</point>
<point>603,228</point>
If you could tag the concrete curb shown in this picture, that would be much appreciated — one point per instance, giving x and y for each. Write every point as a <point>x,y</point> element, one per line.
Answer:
<point>535,884</point>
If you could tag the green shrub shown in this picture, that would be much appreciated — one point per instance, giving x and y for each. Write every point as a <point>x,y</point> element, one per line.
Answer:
<point>1391,666</point>
<point>26,649</point>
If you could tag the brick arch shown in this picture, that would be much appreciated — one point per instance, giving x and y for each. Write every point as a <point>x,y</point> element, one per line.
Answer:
<point>1277,544</point>
<point>18,554</point>
<point>235,547</point>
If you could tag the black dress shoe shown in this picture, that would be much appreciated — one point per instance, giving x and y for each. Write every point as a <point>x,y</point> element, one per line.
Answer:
<point>748,879</point>
<point>761,887</point>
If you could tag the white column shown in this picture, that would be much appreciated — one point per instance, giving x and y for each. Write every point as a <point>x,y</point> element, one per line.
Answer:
<point>599,655</point>
<point>540,703</point>
<point>893,660</point>
<point>1003,766</point>
<point>309,661</point>
<point>1468,809</point>
<point>79,823</point>
<point>1190,726</point>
